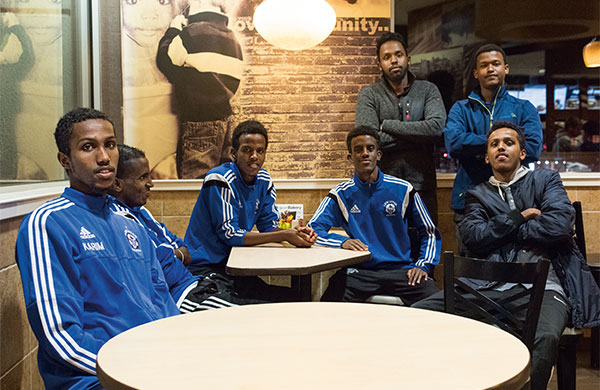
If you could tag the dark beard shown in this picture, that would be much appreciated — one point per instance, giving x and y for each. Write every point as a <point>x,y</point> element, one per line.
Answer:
<point>396,77</point>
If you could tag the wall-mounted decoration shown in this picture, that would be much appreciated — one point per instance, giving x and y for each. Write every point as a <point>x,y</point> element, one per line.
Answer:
<point>36,79</point>
<point>193,70</point>
<point>441,26</point>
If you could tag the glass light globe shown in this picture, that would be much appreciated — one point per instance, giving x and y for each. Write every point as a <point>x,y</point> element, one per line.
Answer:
<point>294,24</point>
<point>591,54</point>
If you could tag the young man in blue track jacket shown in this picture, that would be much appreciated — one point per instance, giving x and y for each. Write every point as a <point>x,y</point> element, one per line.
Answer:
<point>469,121</point>
<point>234,198</point>
<point>88,271</point>
<point>191,293</point>
<point>376,211</point>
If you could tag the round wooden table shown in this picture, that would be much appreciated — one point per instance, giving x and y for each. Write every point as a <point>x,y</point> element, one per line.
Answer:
<point>314,346</point>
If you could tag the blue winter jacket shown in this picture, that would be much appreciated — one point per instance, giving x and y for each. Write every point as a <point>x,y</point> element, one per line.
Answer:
<point>466,131</point>
<point>88,273</point>
<point>379,214</point>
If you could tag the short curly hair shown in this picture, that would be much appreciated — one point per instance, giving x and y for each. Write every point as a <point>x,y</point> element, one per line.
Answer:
<point>358,131</point>
<point>248,127</point>
<point>64,127</point>
<point>486,49</point>
<point>508,125</point>
<point>390,36</point>
<point>127,154</point>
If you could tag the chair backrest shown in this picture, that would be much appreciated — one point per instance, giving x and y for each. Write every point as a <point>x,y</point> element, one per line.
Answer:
<point>579,233</point>
<point>461,298</point>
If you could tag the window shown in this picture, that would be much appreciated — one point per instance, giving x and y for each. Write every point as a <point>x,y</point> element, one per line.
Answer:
<point>44,72</point>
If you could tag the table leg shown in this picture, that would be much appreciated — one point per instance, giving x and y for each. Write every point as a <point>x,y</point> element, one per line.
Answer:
<point>303,285</point>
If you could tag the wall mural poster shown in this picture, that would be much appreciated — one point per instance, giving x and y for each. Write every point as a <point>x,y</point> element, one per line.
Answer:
<point>34,41</point>
<point>442,26</point>
<point>439,40</point>
<point>150,121</point>
<point>445,69</point>
<point>194,69</point>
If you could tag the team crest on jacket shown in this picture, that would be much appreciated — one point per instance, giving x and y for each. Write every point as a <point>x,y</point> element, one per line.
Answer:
<point>390,208</point>
<point>133,240</point>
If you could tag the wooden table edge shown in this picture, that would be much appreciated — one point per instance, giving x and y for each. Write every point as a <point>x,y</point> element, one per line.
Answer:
<point>517,382</point>
<point>108,382</point>
<point>294,270</point>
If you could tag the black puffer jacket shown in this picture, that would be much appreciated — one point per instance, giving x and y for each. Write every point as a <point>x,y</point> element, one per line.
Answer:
<point>492,231</point>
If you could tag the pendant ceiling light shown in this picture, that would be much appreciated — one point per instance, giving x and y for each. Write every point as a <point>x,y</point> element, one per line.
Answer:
<point>536,20</point>
<point>294,24</point>
<point>591,53</point>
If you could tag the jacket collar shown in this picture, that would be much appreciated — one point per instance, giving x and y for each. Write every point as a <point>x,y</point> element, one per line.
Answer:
<point>366,185</point>
<point>238,174</point>
<point>521,172</point>
<point>93,203</point>
<point>476,93</point>
<point>411,80</point>
<point>135,210</point>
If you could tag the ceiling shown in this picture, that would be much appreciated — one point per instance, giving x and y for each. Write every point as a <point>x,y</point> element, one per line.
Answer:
<point>515,22</point>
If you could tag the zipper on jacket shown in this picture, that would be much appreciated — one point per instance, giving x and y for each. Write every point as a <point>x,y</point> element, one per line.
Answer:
<point>487,109</point>
<point>126,271</point>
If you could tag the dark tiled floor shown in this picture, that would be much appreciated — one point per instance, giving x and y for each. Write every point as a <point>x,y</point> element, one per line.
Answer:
<point>587,378</point>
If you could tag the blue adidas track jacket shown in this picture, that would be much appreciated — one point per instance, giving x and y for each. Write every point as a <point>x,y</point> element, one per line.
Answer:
<point>88,273</point>
<point>379,214</point>
<point>177,276</point>
<point>226,209</point>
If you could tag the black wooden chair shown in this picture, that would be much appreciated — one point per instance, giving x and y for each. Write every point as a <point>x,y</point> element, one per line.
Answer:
<point>461,298</point>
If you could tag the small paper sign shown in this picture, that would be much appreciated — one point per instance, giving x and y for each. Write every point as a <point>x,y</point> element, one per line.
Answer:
<point>290,215</point>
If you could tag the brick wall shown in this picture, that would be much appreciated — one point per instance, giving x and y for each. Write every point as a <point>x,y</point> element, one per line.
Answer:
<point>307,98</point>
